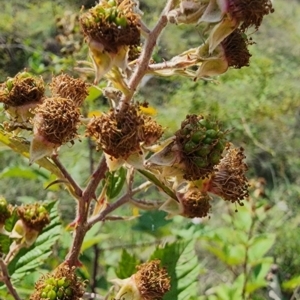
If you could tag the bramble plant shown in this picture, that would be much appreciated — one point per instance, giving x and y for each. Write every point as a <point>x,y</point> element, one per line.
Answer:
<point>198,162</point>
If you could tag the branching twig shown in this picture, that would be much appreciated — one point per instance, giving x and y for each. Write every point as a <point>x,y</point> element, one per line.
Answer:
<point>146,54</point>
<point>98,175</point>
<point>110,208</point>
<point>6,279</point>
<point>82,213</point>
<point>71,181</point>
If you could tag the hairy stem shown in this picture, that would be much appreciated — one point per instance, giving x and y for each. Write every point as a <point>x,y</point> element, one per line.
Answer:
<point>81,226</point>
<point>146,54</point>
<point>4,277</point>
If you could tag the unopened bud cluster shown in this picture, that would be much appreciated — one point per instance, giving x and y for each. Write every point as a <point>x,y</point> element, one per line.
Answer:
<point>61,284</point>
<point>198,162</point>
<point>200,144</point>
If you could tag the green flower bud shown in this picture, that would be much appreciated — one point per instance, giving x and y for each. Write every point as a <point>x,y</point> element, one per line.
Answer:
<point>121,21</point>
<point>10,84</point>
<point>51,295</point>
<point>61,282</point>
<point>211,133</point>
<point>197,136</point>
<point>68,292</point>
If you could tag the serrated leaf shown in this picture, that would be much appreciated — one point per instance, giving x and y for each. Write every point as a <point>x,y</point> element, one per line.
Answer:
<point>127,265</point>
<point>30,258</point>
<point>5,242</point>
<point>181,262</point>
<point>10,222</point>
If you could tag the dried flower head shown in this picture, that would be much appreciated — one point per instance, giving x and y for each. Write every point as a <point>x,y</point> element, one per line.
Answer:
<point>56,120</point>
<point>65,86</point>
<point>22,89</point>
<point>195,204</point>
<point>151,130</point>
<point>112,24</point>
<point>152,280</point>
<point>119,134</point>
<point>61,284</point>
<point>235,49</point>
<point>35,216</point>
<point>228,180</point>
<point>200,143</point>
<point>248,13</point>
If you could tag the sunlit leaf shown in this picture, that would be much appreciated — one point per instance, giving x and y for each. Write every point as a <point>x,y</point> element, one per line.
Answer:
<point>127,265</point>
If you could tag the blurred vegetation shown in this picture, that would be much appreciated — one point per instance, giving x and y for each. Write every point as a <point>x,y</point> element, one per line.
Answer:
<point>260,107</point>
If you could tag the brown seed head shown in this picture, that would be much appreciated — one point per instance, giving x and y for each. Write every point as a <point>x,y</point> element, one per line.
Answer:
<point>57,120</point>
<point>151,130</point>
<point>249,12</point>
<point>196,204</point>
<point>117,133</point>
<point>112,26</point>
<point>21,90</point>
<point>235,49</point>
<point>65,86</point>
<point>229,180</point>
<point>152,280</point>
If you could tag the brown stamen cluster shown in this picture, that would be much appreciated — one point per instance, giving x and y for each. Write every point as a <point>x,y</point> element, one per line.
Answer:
<point>57,120</point>
<point>151,130</point>
<point>229,180</point>
<point>152,280</point>
<point>61,284</point>
<point>119,134</point>
<point>196,204</point>
<point>236,51</point>
<point>34,216</point>
<point>65,86</point>
<point>249,12</point>
<point>112,26</point>
<point>21,90</point>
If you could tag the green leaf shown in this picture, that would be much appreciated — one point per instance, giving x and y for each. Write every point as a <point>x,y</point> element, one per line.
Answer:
<point>5,242</point>
<point>152,222</point>
<point>93,237</point>
<point>115,182</point>
<point>10,222</point>
<point>18,172</point>
<point>260,245</point>
<point>291,284</point>
<point>181,262</point>
<point>127,265</point>
<point>30,258</point>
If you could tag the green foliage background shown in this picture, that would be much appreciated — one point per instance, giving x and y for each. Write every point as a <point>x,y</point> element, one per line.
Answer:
<point>260,105</point>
